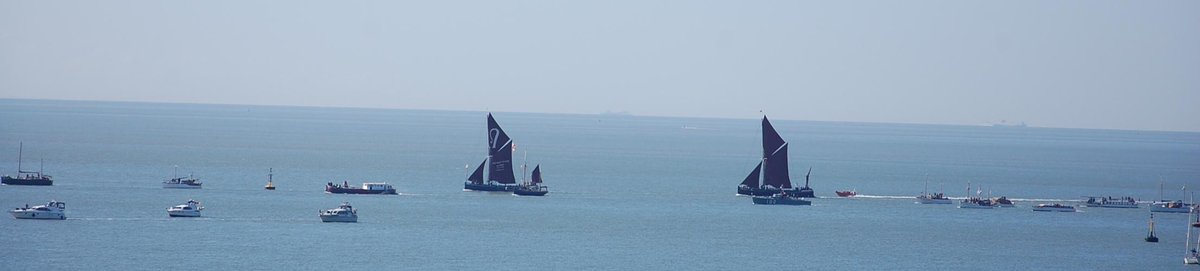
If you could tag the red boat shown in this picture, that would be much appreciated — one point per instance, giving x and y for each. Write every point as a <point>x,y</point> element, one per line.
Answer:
<point>846,194</point>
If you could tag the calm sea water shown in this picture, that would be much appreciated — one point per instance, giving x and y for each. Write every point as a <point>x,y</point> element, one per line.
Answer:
<point>628,192</point>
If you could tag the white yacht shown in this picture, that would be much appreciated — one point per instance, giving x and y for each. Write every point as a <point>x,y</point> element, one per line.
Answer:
<point>343,213</point>
<point>1053,208</point>
<point>52,210</point>
<point>190,209</point>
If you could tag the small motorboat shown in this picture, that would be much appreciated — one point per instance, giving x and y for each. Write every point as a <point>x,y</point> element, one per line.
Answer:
<point>189,209</point>
<point>1053,208</point>
<point>52,210</point>
<point>1003,202</point>
<point>343,213</point>
<point>846,194</point>
<point>780,199</point>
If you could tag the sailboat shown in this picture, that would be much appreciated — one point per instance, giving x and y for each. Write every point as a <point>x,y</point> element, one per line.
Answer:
<point>773,169</point>
<point>1192,257</point>
<point>498,164</point>
<point>270,175</point>
<point>534,187</point>
<point>1169,206</point>
<point>26,177</point>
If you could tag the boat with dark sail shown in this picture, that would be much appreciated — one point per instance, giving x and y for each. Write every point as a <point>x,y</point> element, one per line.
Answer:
<point>534,187</point>
<point>26,177</point>
<point>772,170</point>
<point>496,169</point>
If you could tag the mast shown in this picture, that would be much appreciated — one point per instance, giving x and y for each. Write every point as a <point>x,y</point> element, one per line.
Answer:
<point>20,150</point>
<point>1191,213</point>
<point>524,166</point>
<point>270,173</point>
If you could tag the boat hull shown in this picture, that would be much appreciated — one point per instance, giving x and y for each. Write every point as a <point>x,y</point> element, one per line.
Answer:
<point>934,201</point>
<point>22,181</point>
<point>339,190</point>
<point>185,213</point>
<point>526,192</point>
<point>1053,209</point>
<point>845,194</point>
<point>1123,206</point>
<point>763,192</point>
<point>780,201</point>
<point>489,187</point>
<point>1165,208</point>
<point>339,218</point>
<point>975,206</point>
<point>180,186</point>
<point>38,215</point>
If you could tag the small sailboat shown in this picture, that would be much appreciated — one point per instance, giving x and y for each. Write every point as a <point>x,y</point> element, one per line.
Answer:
<point>26,177</point>
<point>534,187</point>
<point>498,164</point>
<point>270,178</point>
<point>773,169</point>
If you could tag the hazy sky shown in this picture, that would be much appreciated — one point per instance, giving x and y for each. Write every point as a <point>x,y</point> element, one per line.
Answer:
<point>1088,64</point>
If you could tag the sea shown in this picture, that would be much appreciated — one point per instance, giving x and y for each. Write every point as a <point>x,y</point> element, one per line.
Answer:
<point>627,192</point>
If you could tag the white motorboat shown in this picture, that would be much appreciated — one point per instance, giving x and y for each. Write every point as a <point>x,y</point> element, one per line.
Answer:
<point>190,209</point>
<point>1053,208</point>
<point>343,213</point>
<point>52,210</point>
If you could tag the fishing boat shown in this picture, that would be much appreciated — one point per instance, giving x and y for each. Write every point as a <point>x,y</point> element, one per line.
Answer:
<point>270,178</point>
<point>343,213</point>
<point>770,176</point>
<point>1003,201</point>
<point>188,182</point>
<point>1053,208</point>
<point>496,169</point>
<point>191,208</point>
<point>780,199</point>
<point>534,187</point>
<point>969,202</point>
<point>26,177</point>
<point>935,198</point>
<point>1110,202</point>
<point>366,188</point>
<point>1169,206</point>
<point>52,210</point>
<point>846,194</point>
